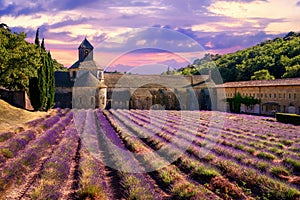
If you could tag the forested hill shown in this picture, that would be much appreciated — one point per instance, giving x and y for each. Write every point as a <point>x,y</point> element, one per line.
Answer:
<point>272,59</point>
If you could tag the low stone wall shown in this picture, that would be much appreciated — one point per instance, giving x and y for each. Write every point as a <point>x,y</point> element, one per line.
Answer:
<point>16,98</point>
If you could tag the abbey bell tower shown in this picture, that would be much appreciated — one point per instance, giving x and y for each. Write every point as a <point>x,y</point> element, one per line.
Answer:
<point>85,51</point>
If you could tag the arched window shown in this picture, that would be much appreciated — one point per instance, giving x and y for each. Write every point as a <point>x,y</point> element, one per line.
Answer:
<point>86,53</point>
<point>74,74</point>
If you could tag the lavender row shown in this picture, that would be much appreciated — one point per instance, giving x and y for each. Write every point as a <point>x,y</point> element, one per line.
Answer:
<point>56,170</point>
<point>14,171</point>
<point>242,145</point>
<point>285,189</point>
<point>168,176</point>
<point>12,146</point>
<point>240,156</point>
<point>136,186</point>
<point>92,181</point>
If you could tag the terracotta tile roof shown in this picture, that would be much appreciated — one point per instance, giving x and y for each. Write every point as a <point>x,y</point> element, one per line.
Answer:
<point>87,64</point>
<point>137,80</point>
<point>277,82</point>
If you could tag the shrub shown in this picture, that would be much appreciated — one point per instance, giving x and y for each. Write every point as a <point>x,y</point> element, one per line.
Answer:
<point>7,153</point>
<point>288,118</point>
<point>294,163</point>
<point>267,156</point>
<point>239,146</point>
<point>279,170</point>
<point>92,192</point>
<point>263,166</point>
<point>6,136</point>
<point>205,173</point>
<point>184,190</point>
<point>286,142</point>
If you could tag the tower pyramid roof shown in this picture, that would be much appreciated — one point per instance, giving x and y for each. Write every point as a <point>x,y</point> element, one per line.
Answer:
<point>85,44</point>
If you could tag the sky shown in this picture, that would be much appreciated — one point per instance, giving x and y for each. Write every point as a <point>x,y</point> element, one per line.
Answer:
<point>137,34</point>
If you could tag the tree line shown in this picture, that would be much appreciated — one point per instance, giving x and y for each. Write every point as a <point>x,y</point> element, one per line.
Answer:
<point>272,59</point>
<point>27,67</point>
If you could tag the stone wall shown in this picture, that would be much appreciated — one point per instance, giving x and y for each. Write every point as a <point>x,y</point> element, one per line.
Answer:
<point>19,99</point>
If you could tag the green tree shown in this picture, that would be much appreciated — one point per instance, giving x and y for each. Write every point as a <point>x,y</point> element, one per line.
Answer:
<point>279,56</point>
<point>37,40</point>
<point>236,102</point>
<point>262,75</point>
<point>42,82</point>
<point>291,72</point>
<point>18,61</point>
<point>51,82</point>
<point>34,93</point>
<point>43,44</point>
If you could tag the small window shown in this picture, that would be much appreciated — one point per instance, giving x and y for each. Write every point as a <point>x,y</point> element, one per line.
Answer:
<point>86,52</point>
<point>290,96</point>
<point>274,95</point>
<point>261,95</point>
<point>270,95</point>
<point>74,74</point>
<point>284,95</point>
<point>295,96</point>
<point>92,101</point>
<point>266,96</point>
<point>284,108</point>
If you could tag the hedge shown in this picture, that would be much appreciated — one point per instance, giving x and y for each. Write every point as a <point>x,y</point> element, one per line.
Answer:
<point>288,118</point>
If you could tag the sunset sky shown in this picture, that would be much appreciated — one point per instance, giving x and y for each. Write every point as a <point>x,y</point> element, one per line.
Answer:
<point>131,33</point>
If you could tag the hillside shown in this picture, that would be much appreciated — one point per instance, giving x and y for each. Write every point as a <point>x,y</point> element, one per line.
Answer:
<point>12,117</point>
<point>272,59</point>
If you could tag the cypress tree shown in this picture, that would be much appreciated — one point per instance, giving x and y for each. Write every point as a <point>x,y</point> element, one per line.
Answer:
<point>42,88</point>
<point>43,44</point>
<point>34,93</point>
<point>42,84</point>
<point>37,40</point>
<point>51,82</point>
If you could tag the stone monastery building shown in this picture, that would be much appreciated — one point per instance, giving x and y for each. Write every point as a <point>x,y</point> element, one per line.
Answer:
<point>86,85</point>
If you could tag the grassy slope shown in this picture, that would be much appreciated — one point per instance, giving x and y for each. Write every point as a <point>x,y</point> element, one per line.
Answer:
<point>12,117</point>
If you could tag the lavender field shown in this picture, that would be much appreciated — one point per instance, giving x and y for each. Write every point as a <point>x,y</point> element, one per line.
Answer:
<point>142,154</point>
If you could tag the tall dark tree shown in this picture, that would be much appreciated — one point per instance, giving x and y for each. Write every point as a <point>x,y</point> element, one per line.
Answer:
<point>34,93</point>
<point>37,40</point>
<point>42,82</point>
<point>51,82</point>
<point>43,44</point>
